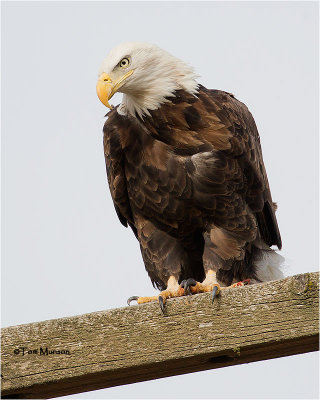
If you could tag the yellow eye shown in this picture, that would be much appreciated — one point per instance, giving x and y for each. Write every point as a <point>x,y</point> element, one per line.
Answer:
<point>124,62</point>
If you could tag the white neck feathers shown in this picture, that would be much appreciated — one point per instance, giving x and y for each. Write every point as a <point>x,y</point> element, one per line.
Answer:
<point>155,79</point>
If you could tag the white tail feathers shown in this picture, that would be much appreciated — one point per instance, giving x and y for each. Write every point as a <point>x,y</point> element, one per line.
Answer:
<point>269,267</point>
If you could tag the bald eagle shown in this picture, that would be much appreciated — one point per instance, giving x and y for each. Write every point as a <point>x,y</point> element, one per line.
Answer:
<point>186,173</point>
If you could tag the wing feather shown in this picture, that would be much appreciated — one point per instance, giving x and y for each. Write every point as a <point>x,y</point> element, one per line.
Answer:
<point>246,149</point>
<point>217,137</point>
<point>114,158</point>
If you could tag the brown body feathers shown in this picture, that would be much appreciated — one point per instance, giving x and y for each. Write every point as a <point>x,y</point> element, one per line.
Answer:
<point>191,182</point>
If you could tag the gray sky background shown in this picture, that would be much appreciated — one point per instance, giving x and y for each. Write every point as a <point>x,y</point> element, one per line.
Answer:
<point>64,250</point>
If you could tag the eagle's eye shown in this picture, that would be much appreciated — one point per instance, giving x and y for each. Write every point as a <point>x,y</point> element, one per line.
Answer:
<point>124,62</point>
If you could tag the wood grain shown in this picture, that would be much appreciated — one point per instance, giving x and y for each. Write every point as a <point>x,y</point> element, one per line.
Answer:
<point>137,343</point>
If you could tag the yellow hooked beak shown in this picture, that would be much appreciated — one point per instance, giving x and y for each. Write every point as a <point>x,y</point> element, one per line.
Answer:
<point>106,88</point>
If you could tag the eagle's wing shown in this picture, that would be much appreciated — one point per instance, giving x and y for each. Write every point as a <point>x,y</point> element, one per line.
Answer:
<point>246,148</point>
<point>217,136</point>
<point>115,169</point>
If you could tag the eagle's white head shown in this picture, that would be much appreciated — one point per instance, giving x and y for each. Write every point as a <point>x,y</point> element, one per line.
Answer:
<point>145,74</point>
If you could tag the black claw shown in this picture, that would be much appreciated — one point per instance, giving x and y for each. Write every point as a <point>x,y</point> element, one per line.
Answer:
<point>130,299</point>
<point>189,282</point>
<point>183,283</point>
<point>161,303</point>
<point>214,292</point>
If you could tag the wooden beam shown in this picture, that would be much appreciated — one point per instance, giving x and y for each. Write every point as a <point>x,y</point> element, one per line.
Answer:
<point>137,343</point>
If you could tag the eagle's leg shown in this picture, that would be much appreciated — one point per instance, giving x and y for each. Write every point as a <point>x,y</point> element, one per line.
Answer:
<point>173,290</point>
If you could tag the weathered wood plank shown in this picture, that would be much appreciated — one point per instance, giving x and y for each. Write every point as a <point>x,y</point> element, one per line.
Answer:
<point>126,345</point>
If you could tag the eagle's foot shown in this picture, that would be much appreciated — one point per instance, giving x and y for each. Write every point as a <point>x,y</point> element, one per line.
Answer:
<point>191,286</point>
<point>241,283</point>
<point>167,294</point>
<point>163,296</point>
<point>141,300</point>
